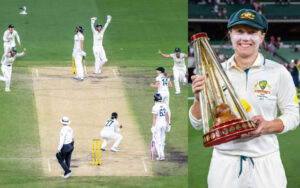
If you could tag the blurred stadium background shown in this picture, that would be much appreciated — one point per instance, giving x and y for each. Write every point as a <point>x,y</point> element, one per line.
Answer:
<point>281,44</point>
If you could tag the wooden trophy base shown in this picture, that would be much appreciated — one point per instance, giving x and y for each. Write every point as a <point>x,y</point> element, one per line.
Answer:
<point>228,131</point>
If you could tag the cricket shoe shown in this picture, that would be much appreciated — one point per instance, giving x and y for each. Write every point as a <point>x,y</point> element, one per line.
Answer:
<point>7,90</point>
<point>114,149</point>
<point>162,158</point>
<point>177,92</point>
<point>103,149</point>
<point>76,78</point>
<point>158,158</point>
<point>67,175</point>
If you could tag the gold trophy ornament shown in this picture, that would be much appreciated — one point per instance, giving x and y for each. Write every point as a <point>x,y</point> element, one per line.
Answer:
<point>219,103</point>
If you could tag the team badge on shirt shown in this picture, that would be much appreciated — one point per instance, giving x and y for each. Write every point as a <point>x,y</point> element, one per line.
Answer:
<point>262,89</point>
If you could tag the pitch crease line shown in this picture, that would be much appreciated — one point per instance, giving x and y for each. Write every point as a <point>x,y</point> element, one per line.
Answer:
<point>37,72</point>
<point>49,165</point>
<point>145,167</point>
<point>115,73</point>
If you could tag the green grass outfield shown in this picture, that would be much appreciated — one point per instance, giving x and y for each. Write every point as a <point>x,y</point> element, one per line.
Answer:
<point>138,29</point>
<point>199,156</point>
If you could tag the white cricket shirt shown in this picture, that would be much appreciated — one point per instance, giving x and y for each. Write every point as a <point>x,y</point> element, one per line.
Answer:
<point>77,44</point>
<point>160,109</point>
<point>163,83</point>
<point>111,125</point>
<point>8,60</point>
<point>10,36</point>
<point>66,136</point>
<point>178,61</point>
<point>268,88</point>
<point>98,36</point>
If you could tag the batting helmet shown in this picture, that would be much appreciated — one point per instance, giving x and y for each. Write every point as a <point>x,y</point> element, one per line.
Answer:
<point>11,26</point>
<point>79,28</point>
<point>114,115</point>
<point>157,97</point>
<point>177,49</point>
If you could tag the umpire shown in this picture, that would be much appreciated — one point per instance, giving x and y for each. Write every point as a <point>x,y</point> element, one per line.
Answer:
<point>65,147</point>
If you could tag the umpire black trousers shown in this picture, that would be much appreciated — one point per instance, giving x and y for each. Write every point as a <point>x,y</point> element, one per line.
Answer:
<point>66,153</point>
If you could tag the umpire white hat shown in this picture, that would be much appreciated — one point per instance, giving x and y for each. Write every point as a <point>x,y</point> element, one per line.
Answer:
<point>65,120</point>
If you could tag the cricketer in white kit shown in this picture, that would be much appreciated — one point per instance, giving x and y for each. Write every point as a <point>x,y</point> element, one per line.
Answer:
<point>9,38</point>
<point>267,88</point>
<point>163,84</point>
<point>7,61</point>
<point>179,68</point>
<point>78,52</point>
<point>111,132</point>
<point>99,53</point>
<point>160,125</point>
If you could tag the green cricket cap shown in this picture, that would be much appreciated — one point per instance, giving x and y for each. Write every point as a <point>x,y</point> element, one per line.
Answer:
<point>248,17</point>
<point>161,69</point>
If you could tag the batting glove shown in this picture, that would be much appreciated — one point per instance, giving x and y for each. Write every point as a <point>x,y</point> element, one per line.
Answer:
<point>153,130</point>
<point>168,128</point>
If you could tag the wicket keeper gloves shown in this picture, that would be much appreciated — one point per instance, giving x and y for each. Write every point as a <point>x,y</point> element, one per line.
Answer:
<point>108,18</point>
<point>168,128</point>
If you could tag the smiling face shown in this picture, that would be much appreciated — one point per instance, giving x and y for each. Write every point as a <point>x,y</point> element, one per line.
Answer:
<point>246,40</point>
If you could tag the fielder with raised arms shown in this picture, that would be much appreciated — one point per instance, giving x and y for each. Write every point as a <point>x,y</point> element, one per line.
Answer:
<point>7,61</point>
<point>78,53</point>
<point>99,53</point>
<point>111,131</point>
<point>179,68</point>
<point>9,38</point>
<point>160,125</point>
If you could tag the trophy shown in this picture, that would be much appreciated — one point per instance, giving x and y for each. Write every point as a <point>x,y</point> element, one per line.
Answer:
<point>219,103</point>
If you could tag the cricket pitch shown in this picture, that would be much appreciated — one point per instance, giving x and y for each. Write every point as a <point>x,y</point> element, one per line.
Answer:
<point>88,104</point>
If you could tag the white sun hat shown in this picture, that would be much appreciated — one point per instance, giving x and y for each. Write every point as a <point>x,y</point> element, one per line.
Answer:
<point>65,120</point>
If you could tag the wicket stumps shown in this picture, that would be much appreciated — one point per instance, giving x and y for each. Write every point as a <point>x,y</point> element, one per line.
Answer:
<point>96,152</point>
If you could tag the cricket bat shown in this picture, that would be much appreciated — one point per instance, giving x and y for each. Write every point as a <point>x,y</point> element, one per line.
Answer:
<point>152,148</point>
<point>74,71</point>
<point>84,66</point>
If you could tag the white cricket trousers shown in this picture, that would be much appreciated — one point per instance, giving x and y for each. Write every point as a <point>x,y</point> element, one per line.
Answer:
<point>165,99</point>
<point>108,135</point>
<point>236,172</point>
<point>7,47</point>
<point>78,64</point>
<point>160,138</point>
<point>100,58</point>
<point>179,76</point>
<point>6,70</point>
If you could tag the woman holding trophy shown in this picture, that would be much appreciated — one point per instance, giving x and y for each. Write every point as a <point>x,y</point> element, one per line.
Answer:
<point>252,91</point>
